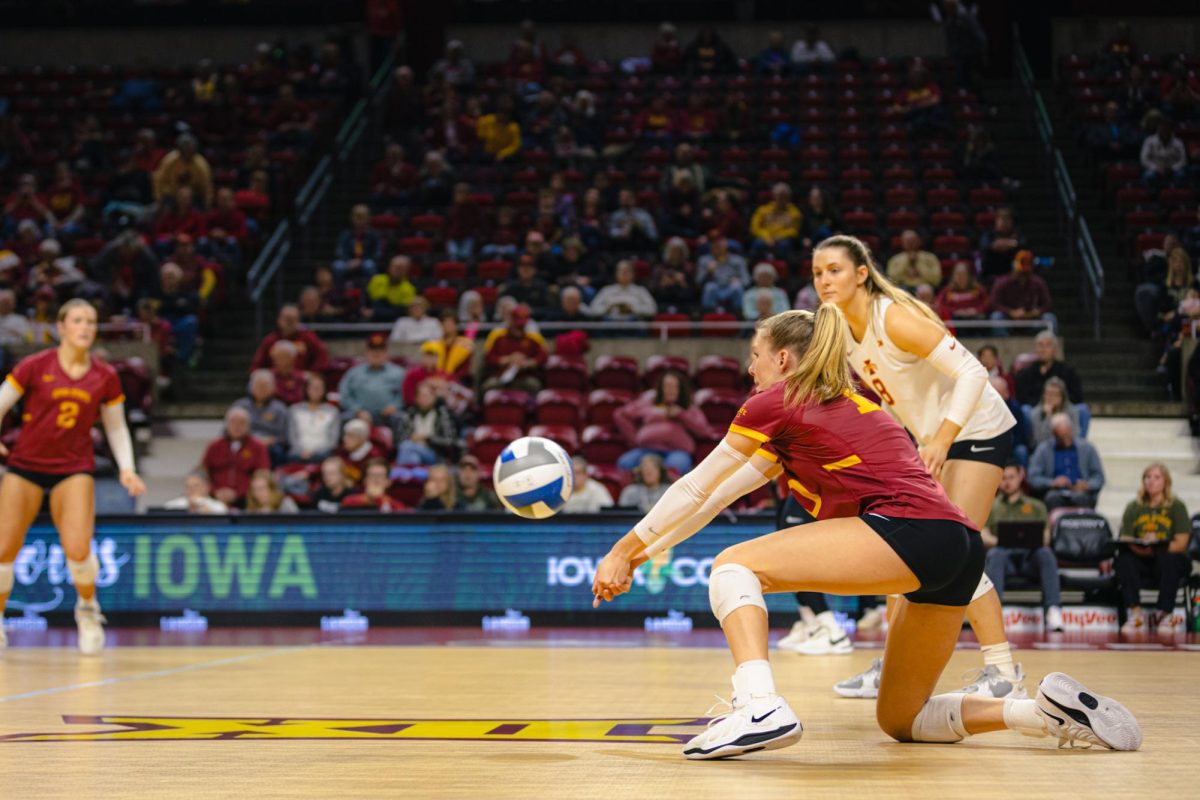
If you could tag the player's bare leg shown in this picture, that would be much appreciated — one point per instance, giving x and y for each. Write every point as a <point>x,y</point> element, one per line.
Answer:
<point>73,508</point>
<point>839,556</point>
<point>972,485</point>
<point>21,501</point>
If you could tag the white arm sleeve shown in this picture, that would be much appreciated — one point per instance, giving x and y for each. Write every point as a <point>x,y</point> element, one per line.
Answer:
<point>970,378</point>
<point>741,483</point>
<point>688,494</point>
<point>113,419</point>
<point>8,398</point>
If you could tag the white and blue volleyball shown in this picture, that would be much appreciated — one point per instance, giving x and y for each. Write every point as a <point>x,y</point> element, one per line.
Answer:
<point>533,477</point>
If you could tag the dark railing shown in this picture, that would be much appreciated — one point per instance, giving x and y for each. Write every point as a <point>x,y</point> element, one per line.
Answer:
<point>296,232</point>
<point>1081,249</point>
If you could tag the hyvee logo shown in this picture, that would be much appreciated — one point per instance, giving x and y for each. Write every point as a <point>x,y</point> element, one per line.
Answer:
<point>1090,618</point>
<point>581,570</point>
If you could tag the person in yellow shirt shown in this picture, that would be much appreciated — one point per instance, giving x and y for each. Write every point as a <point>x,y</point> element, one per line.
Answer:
<point>775,225</point>
<point>184,166</point>
<point>500,134</point>
<point>391,292</point>
<point>913,266</point>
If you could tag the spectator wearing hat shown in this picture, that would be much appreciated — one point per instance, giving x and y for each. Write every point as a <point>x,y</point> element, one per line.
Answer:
<point>588,496</point>
<point>417,326</point>
<point>359,248</point>
<point>458,397</point>
<point>472,494</point>
<point>722,276</point>
<point>371,391</point>
<point>184,166</point>
<point>390,293</point>
<point>356,450</point>
<point>1022,295</point>
<point>624,300</point>
<point>913,266</point>
<point>268,416</point>
<point>311,353</point>
<point>425,431</point>
<point>765,276</point>
<point>514,355</point>
<point>526,287</point>
<point>313,423</point>
<point>232,458</point>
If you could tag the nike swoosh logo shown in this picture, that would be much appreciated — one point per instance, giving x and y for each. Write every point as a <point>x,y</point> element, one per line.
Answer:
<point>757,720</point>
<point>975,449</point>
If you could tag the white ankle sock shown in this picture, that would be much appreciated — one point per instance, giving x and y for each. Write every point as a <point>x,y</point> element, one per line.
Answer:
<point>1021,716</point>
<point>1000,657</point>
<point>753,679</point>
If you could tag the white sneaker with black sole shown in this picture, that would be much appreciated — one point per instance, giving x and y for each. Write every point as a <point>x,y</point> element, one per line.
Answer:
<point>1073,714</point>
<point>865,684</point>
<point>763,723</point>
<point>827,638</point>
<point>989,682</point>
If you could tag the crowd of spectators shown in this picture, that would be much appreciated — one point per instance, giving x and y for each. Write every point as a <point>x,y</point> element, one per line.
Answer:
<point>145,189</point>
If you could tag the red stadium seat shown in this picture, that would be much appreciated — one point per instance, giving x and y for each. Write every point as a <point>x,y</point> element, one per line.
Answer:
<point>856,196</point>
<point>1176,196</point>
<point>520,199</point>
<point>409,490</point>
<point>859,220</point>
<point>942,196</point>
<point>943,220</point>
<point>565,373</point>
<point>1131,196</point>
<point>668,322</point>
<point>1148,240</point>
<point>602,445</point>
<point>616,372</point>
<point>719,405</point>
<point>903,218</point>
<point>414,245</point>
<point>951,244</point>
<point>718,372</point>
<point>613,478</point>
<point>566,435</point>
<point>505,407</point>
<point>427,223</point>
<point>386,222</point>
<point>986,196</point>
<point>488,440</point>
<point>559,407</point>
<point>659,363</point>
<point>603,403</point>
<point>449,271</point>
<point>899,196</point>
<point>494,270</point>
<point>896,173</point>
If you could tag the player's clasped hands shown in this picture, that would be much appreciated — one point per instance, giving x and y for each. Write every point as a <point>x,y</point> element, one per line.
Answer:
<point>614,576</point>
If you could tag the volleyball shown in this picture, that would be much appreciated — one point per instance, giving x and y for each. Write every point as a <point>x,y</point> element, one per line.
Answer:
<point>533,477</point>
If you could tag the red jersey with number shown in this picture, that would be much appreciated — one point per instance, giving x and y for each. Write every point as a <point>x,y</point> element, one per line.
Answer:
<point>59,412</point>
<point>845,453</point>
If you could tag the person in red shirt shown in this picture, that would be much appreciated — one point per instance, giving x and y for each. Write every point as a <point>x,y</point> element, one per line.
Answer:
<point>514,356</point>
<point>907,538</point>
<point>64,201</point>
<point>289,381</point>
<point>26,203</point>
<point>356,449</point>
<point>226,223</point>
<point>375,487</point>
<point>963,297</point>
<point>311,352</point>
<point>231,459</point>
<point>65,390</point>
<point>180,217</point>
<point>392,179</point>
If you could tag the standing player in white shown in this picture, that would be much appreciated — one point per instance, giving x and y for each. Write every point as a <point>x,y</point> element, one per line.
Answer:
<point>940,392</point>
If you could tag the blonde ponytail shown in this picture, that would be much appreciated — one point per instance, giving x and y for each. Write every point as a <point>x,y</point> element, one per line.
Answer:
<point>819,343</point>
<point>877,284</point>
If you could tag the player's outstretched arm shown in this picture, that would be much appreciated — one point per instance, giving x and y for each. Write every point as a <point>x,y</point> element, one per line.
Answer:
<point>682,500</point>
<point>112,416</point>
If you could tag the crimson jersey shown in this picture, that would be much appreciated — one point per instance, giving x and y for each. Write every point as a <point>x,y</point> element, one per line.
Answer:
<point>844,454</point>
<point>56,426</point>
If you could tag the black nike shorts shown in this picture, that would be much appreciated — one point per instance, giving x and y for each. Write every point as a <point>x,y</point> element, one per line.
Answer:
<point>995,451</point>
<point>946,556</point>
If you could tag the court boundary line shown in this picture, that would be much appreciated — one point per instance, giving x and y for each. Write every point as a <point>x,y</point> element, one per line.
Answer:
<point>161,673</point>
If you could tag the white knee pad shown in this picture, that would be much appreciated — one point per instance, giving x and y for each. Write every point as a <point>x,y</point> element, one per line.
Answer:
<point>985,586</point>
<point>731,586</point>
<point>940,720</point>
<point>6,578</point>
<point>85,571</point>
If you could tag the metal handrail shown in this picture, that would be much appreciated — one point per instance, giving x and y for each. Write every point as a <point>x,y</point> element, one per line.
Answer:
<point>266,253</point>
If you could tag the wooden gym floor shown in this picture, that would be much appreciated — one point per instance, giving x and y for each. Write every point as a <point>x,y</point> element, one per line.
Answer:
<point>572,717</point>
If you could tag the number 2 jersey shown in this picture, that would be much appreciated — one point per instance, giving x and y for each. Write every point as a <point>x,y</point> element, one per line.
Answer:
<point>59,412</point>
<point>912,388</point>
<point>845,454</point>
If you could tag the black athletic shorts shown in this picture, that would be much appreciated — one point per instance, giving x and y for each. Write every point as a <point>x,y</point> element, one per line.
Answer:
<point>946,556</point>
<point>995,451</point>
<point>46,480</point>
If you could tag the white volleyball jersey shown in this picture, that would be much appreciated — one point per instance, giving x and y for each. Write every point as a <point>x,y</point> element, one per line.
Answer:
<point>914,391</point>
